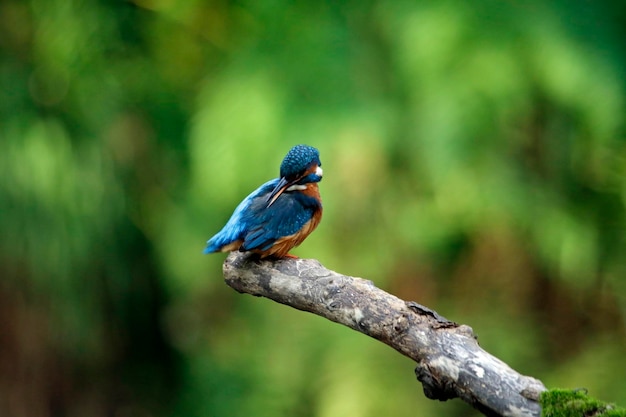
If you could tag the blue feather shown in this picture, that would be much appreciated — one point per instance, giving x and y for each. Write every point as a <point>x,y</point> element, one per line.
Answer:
<point>259,226</point>
<point>286,216</point>
<point>235,228</point>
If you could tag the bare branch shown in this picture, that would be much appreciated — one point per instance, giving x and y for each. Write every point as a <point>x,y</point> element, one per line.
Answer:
<point>450,363</point>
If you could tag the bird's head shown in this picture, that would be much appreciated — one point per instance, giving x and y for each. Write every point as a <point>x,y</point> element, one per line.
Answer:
<point>300,166</point>
<point>302,163</point>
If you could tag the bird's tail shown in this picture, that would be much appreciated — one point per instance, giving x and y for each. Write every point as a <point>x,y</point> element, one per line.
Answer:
<point>219,243</point>
<point>211,247</point>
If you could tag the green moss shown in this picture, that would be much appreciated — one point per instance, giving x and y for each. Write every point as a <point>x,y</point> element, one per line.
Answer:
<point>576,403</point>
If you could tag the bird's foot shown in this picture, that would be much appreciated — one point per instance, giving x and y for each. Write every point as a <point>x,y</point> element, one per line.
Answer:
<point>291,256</point>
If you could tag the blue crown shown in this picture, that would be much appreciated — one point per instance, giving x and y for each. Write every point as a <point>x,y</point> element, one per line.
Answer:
<point>299,159</point>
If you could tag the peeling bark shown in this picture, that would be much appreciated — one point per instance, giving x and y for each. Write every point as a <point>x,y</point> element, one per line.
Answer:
<point>450,363</point>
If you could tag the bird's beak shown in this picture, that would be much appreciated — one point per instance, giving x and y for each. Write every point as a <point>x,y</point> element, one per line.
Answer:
<point>284,184</point>
<point>280,188</point>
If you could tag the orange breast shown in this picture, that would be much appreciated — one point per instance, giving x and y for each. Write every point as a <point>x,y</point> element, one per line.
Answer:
<point>312,190</point>
<point>283,245</point>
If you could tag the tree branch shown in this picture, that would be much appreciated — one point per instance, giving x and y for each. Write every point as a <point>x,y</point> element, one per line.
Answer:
<point>450,363</point>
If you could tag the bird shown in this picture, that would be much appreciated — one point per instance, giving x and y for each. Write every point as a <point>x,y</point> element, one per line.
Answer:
<point>278,215</point>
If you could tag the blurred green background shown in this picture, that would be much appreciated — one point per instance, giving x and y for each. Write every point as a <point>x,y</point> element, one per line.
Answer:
<point>474,157</point>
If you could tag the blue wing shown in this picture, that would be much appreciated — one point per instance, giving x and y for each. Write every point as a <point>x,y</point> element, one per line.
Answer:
<point>235,228</point>
<point>289,213</point>
<point>259,226</point>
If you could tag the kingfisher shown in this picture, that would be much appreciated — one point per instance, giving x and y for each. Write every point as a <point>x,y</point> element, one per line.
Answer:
<point>278,215</point>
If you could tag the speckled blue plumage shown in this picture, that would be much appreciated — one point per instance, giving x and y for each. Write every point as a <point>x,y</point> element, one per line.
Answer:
<point>298,159</point>
<point>258,225</point>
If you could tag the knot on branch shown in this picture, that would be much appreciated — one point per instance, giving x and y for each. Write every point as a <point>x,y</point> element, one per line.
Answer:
<point>436,386</point>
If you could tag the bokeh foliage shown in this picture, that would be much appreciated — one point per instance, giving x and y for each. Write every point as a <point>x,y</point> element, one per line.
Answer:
<point>474,157</point>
